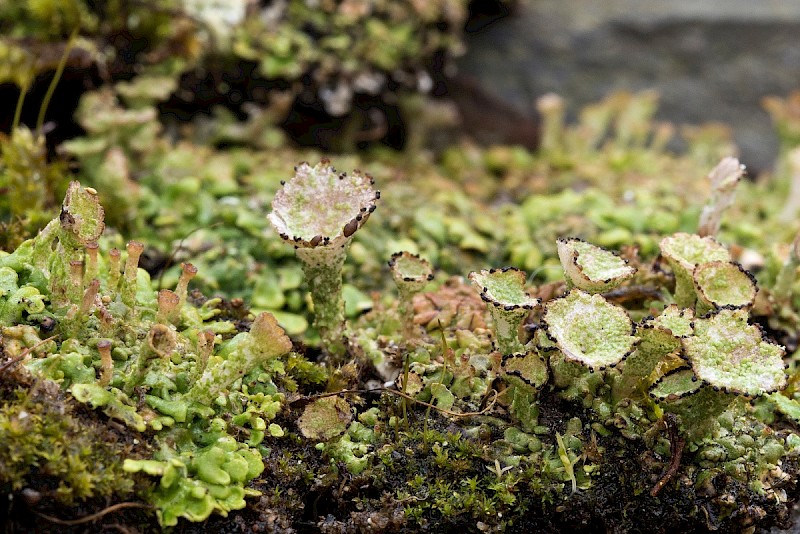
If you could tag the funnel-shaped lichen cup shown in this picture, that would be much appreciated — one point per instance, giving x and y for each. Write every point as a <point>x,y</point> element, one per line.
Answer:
<point>317,212</point>
<point>504,291</point>
<point>590,330</point>
<point>684,252</point>
<point>591,268</point>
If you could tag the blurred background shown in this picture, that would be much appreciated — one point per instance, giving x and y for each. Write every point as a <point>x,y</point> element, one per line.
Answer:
<point>334,69</point>
<point>708,60</point>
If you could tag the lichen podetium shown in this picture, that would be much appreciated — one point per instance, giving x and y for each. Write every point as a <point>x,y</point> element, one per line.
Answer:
<point>317,212</point>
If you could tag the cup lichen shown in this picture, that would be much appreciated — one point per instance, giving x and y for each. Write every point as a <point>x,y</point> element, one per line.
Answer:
<point>317,212</point>
<point>504,292</point>
<point>591,268</point>
<point>521,439</point>
<point>589,330</point>
<point>684,252</point>
<point>411,274</point>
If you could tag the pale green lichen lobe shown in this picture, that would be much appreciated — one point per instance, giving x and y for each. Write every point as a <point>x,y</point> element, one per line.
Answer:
<point>688,250</point>
<point>503,287</point>
<point>530,367</point>
<point>590,330</point>
<point>721,283</point>
<point>592,268</point>
<point>727,352</point>
<point>679,383</point>
<point>676,320</point>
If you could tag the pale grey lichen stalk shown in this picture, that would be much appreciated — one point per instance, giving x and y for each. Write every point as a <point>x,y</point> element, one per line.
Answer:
<point>788,273</point>
<point>789,211</point>
<point>724,178</point>
<point>410,273</point>
<point>317,212</point>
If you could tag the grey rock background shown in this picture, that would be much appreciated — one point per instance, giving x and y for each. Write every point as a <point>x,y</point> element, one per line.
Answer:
<point>710,60</point>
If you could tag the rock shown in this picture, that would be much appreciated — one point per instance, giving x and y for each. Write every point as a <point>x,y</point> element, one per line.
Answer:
<point>710,63</point>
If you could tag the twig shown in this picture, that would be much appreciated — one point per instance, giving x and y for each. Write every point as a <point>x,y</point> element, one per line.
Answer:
<point>95,516</point>
<point>56,78</point>
<point>676,444</point>
<point>409,397</point>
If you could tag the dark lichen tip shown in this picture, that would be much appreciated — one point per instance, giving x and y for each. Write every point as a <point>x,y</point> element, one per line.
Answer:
<point>350,228</point>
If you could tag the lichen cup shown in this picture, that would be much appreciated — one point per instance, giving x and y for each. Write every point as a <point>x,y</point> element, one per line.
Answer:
<point>317,212</point>
<point>591,268</point>
<point>589,330</point>
<point>504,291</point>
<point>410,273</point>
<point>684,252</point>
<point>729,358</point>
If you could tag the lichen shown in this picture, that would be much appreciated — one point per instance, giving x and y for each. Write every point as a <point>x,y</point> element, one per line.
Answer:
<point>318,211</point>
<point>593,410</point>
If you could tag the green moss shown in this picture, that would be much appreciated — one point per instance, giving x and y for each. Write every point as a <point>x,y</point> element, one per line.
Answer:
<point>49,444</point>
